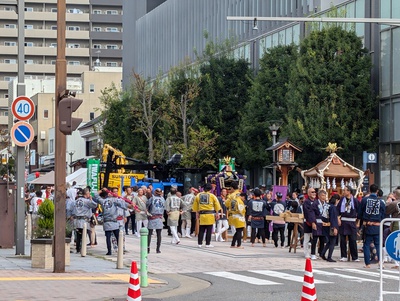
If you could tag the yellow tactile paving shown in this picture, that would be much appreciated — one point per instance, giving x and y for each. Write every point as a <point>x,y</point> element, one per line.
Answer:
<point>120,277</point>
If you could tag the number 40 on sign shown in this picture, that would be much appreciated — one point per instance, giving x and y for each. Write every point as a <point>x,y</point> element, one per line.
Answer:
<point>23,108</point>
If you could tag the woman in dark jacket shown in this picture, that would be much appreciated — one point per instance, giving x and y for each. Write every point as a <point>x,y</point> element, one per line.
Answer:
<point>334,226</point>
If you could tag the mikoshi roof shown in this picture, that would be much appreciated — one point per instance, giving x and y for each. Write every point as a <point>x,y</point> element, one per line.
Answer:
<point>333,166</point>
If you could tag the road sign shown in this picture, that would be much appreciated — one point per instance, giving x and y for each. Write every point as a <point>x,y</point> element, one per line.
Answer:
<point>22,133</point>
<point>23,108</point>
<point>371,158</point>
<point>393,245</point>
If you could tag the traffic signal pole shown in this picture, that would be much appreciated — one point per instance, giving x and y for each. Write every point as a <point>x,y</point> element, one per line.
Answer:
<point>61,145</point>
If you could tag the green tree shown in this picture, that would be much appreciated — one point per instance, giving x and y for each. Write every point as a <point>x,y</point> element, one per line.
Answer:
<point>148,109</point>
<point>267,103</point>
<point>201,150</point>
<point>329,96</point>
<point>184,87</point>
<point>223,93</point>
<point>118,127</point>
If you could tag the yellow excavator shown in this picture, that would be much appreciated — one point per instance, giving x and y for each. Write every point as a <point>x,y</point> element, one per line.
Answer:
<point>116,170</point>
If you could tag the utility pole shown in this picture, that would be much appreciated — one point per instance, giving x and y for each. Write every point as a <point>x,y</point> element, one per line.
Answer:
<point>20,195</point>
<point>61,144</point>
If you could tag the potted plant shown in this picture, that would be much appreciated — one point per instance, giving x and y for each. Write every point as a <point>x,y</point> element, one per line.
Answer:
<point>42,243</point>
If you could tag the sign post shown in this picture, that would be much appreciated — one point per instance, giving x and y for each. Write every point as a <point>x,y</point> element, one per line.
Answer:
<point>22,134</point>
<point>392,245</point>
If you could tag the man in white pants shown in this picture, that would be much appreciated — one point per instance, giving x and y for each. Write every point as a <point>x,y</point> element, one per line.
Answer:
<point>222,223</point>
<point>174,207</point>
<point>186,216</point>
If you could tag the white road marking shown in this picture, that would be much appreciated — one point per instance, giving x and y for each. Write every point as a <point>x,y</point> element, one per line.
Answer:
<point>242,278</point>
<point>351,278</point>
<point>368,273</point>
<point>285,276</point>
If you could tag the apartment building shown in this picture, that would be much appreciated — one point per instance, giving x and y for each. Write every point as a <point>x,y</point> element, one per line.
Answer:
<point>93,40</point>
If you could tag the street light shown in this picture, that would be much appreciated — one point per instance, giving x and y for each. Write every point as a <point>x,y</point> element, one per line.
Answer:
<point>274,127</point>
<point>71,153</point>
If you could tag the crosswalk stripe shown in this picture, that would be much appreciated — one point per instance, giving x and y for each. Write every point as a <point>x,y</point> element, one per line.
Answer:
<point>368,273</point>
<point>242,278</point>
<point>285,276</point>
<point>351,278</point>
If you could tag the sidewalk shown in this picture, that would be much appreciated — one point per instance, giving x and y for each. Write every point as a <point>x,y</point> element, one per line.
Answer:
<point>95,276</point>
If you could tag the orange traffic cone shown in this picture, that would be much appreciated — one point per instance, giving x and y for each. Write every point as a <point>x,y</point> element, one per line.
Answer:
<point>134,293</point>
<point>309,293</point>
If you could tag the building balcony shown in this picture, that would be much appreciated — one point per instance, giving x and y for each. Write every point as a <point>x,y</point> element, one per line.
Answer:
<point>102,18</point>
<point>106,53</point>
<point>3,102</point>
<point>8,67</point>
<point>106,36</point>
<point>4,120</point>
<point>4,85</point>
<point>8,15</point>
<point>51,16</point>
<point>9,32</point>
<point>9,50</point>
<point>80,2</point>
<point>106,2</point>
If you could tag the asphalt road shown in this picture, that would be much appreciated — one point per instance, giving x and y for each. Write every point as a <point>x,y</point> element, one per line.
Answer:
<point>332,284</point>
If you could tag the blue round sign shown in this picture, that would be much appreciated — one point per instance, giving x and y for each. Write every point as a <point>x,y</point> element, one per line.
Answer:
<point>22,133</point>
<point>392,245</point>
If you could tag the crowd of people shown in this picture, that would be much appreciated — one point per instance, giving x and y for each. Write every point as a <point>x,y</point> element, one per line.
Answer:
<point>340,220</point>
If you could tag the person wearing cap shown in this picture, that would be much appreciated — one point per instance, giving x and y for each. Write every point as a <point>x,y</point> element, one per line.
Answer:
<point>236,214</point>
<point>186,216</point>
<point>278,206</point>
<point>155,207</point>
<point>206,206</point>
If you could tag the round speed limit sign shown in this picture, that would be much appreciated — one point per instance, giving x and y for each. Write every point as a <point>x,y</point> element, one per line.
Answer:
<point>23,108</point>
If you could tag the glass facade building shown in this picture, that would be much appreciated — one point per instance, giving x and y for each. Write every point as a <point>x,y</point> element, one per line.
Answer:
<point>171,31</point>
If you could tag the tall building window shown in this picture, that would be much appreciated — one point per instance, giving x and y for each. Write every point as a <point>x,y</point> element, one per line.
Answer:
<point>28,26</point>
<point>96,28</point>
<point>51,146</point>
<point>112,46</point>
<point>91,88</point>
<point>112,29</point>
<point>112,64</point>
<point>96,46</point>
<point>45,114</point>
<point>97,12</point>
<point>7,43</point>
<point>10,26</point>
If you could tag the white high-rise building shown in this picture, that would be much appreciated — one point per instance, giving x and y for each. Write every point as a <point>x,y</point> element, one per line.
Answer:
<point>93,39</point>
